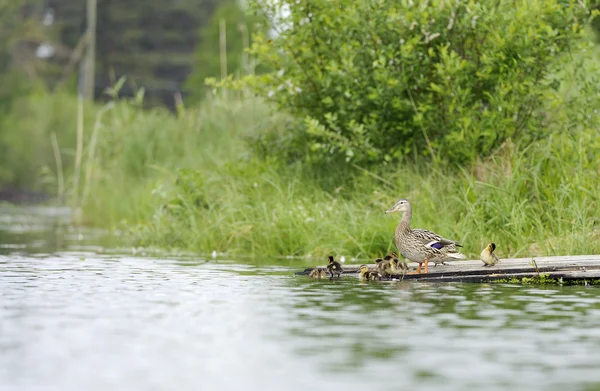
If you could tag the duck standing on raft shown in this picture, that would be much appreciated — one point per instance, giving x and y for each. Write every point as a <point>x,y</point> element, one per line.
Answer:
<point>420,245</point>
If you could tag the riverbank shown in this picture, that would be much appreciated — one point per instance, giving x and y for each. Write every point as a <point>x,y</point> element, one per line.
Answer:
<point>530,201</point>
<point>200,181</point>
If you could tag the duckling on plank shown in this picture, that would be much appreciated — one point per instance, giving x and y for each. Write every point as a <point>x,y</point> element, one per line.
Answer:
<point>398,266</point>
<point>487,255</point>
<point>390,256</point>
<point>369,275</point>
<point>334,267</point>
<point>383,266</point>
<point>318,273</point>
<point>391,265</point>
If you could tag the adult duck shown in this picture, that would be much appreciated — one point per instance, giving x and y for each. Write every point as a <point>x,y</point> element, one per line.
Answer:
<point>420,245</point>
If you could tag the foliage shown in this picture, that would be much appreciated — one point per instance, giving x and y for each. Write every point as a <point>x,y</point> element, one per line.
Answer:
<point>200,180</point>
<point>25,137</point>
<point>530,201</point>
<point>191,181</point>
<point>139,150</point>
<point>530,198</point>
<point>378,81</point>
<point>595,21</point>
<point>126,150</point>
<point>239,28</point>
<point>13,27</point>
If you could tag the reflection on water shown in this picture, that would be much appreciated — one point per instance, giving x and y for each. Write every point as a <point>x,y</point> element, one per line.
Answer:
<point>44,229</point>
<point>78,320</point>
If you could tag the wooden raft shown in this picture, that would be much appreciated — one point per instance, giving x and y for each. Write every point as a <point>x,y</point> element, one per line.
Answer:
<point>579,269</point>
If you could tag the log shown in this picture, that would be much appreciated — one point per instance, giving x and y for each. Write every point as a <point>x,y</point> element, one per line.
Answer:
<point>578,269</point>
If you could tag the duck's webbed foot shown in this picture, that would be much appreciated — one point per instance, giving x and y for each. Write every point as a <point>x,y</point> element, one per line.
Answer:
<point>418,271</point>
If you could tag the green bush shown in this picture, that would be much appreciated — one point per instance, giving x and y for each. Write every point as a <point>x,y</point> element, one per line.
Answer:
<point>379,81</point>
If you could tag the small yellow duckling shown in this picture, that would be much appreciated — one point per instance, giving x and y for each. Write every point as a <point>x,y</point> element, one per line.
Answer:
<point>487,255</point>
<point>367,274</point>
<point>318,273</point>
<point>334,267</point>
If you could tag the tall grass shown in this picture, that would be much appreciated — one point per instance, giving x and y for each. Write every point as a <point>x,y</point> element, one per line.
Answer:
<point>194,181</point>
<point>542,199</point>
<point>26,146</point>
<point>139,150</point>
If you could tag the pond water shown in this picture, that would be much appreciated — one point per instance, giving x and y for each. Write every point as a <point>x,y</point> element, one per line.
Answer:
<point>76,316</point>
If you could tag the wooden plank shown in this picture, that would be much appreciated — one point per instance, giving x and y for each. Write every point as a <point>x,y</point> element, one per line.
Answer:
<point>563,268</point>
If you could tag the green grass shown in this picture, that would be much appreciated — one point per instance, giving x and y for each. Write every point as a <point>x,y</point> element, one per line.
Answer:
<point>529,202</point>
<point>194,182</point>
<point>540,199</point>
<point>140,150</point>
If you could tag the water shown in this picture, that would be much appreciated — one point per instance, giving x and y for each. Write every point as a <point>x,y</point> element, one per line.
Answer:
<point>76,316</point>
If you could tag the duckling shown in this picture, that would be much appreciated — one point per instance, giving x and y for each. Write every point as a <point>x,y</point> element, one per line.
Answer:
<point>398,266</point>
<point>390,256</point>
<point>390,265</point>
<point>318,273</point>
<point>487,255</point>
<point>383,265</point>
<point>334,267</point>
<point>367,274</point>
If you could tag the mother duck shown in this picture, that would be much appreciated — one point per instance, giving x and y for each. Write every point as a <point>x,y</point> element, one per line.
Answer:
<point>420,245</point>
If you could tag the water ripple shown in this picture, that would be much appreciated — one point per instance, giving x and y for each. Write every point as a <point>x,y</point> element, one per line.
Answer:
<point>78,320</point>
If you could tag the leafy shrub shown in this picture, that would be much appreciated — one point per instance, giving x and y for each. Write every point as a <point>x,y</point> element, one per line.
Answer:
<point>377,81</point>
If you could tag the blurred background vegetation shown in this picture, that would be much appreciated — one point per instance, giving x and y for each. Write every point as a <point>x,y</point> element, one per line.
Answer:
<point>288,127</point>
<point>162,49</point>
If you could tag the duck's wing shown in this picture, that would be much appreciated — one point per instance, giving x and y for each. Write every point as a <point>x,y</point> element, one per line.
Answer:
<point>433,240</point>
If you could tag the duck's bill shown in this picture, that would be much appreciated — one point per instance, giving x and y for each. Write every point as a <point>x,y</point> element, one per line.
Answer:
<point>390,210</point>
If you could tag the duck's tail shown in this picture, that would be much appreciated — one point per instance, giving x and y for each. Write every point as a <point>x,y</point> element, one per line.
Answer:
<point>457,255</point>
